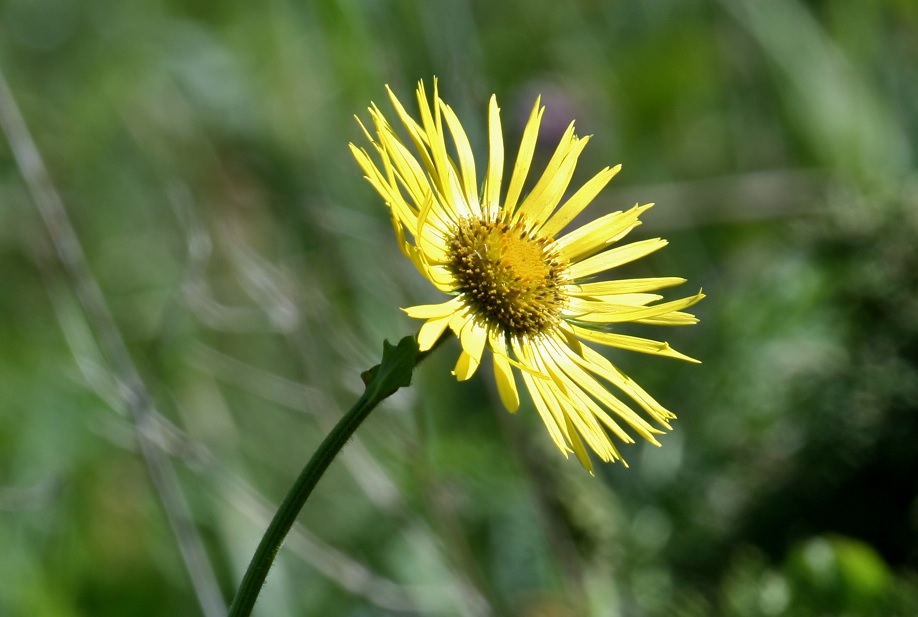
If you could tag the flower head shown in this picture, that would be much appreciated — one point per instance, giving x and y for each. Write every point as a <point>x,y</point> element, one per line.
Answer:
<point>522,286</point>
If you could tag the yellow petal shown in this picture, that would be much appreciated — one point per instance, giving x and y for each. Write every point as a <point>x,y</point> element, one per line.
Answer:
<point>414,129</point>
<point>491,203</point>
<point>406,247</point>
<point>575,405</point>
<point>576,368</point>
<point>433,128</point>
<point>596,363</point>
<point>615,257</point>
<point>578,423</point>
<point>599,234</point>
<point>545,202</point>
<point>405,165</point>
<point>441,277</point>
<point>619,313</point>
<point>578,201</point>
<point>506,383</point>
<point>431,331</point>
<point>601,288</point>
<point>524,156</point>
<point>434,311</point>
<point>551,424</point>
<point>473,339</point>
<point>406,215</point>
<point>458,321</point>
<point>431,236</point>
<point>503,372</point>
<point>579,451</point>
<point>550,414</point>
<point>596,303</point>
<point>676,318</point>
<point>631,343</point>
<point>564,332</point>
<point>465,366</point>
<point>571,364</point>
<point>547,192</point>
<point>466,159</point>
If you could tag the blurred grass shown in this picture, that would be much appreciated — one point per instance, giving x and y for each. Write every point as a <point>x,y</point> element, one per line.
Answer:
<point>200,150</point>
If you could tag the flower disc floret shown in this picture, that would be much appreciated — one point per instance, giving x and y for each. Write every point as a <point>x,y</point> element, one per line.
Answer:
<point>509,276</point>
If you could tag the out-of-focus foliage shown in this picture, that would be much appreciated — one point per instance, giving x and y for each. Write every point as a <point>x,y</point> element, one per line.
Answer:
<point>200,150</point>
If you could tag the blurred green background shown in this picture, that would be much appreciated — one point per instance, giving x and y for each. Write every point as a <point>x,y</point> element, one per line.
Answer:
<point>201,151</point>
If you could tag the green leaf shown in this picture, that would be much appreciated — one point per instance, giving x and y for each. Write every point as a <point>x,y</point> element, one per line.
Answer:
<point>394,371</point>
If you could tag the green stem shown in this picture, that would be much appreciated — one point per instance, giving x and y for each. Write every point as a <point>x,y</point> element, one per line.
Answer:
<point>381,381</point>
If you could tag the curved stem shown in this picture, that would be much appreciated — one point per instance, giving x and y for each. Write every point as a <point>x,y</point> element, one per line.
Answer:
<point>286,515</point>
<point>381,381</point>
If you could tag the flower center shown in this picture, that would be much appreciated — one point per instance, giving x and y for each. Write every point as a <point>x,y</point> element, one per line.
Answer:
<point>510,277</point>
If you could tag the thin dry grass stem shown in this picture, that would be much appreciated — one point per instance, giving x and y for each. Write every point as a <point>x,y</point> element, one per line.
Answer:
<point>132,390</point>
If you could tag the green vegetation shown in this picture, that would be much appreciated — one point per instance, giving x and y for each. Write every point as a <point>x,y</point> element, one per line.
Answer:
<point>250,275</point>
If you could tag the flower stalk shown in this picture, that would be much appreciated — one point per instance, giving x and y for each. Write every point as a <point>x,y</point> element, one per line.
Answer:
<point>381,381</point>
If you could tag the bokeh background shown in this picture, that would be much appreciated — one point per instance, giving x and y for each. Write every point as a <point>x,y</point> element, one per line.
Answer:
<point>247,274</point>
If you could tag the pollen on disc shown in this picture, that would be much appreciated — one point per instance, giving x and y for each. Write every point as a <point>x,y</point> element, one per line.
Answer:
<point>509,276</point>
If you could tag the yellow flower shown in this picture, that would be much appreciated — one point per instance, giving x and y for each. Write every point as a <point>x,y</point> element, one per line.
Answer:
<point>521,288</point>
